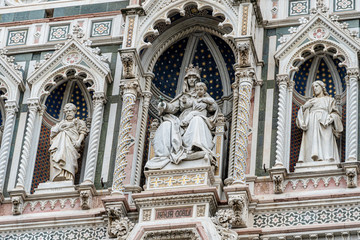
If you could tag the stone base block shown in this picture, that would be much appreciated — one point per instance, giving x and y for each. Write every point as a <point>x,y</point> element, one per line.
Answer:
<point>315,167</point>
<point>55,187</point>
<point>180,176</point>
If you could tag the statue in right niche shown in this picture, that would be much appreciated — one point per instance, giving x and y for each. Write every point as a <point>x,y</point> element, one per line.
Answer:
<point>321,123</point>
<point>66,138</point>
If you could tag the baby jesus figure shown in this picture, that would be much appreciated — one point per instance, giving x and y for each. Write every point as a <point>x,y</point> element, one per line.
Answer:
<point>202,103</point>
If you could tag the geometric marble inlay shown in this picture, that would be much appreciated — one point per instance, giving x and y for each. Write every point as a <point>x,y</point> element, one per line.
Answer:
<point>57,33</point>
<point>102,28</point>
<point>344,5</point>
<point>298,7</point>
<point>17,37</point>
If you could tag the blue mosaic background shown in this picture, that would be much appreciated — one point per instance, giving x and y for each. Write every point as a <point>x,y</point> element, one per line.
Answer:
<point>54,101</point>
<point>77,97</point>
<point>323,73</point>
<point>167,67</point>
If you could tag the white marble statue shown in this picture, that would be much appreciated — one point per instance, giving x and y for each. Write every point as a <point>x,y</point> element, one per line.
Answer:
<point>66,139</point>
<point>321,123</point>
<point>187,122</point>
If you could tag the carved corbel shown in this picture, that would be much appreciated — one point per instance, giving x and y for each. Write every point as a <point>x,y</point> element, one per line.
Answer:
<point>128,61</point>
<point>119,226</point>
<point>244,54</point>
<point>85,199</point>
<point>278,176</point>
<point>239,204</point>
<point>222,221</point>
<point>351,171</point>
<point>17,205</point>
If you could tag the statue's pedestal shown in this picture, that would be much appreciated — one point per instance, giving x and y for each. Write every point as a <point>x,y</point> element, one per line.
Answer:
<point>186,174</point>
<point>316,167</point>
<point>55,187</point>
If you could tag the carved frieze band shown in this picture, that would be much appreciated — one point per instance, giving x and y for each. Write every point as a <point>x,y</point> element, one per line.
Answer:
<point>130,91</point>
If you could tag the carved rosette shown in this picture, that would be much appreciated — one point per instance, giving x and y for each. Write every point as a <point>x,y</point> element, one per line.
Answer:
<point>130,91</point>
<point>10,109</point>
<point>246,81</point>
<point>97,116</point>
<point>352,114</point>
<point>128,62</point>
<point>282,81</point>
<point>34,108</point>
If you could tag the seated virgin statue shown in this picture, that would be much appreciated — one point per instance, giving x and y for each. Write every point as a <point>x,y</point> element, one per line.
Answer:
<point>321,123</point>
<point>66,138</point>
<point>187,123</point>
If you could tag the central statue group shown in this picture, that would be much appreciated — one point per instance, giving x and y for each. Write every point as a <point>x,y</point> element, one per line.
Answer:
<point>187,124</point>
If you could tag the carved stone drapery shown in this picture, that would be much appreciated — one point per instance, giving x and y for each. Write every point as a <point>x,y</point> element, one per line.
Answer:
<point>34,108</point>
<point>10,109</point>
<point>246,81</point>
<point>282,81</point>
<point>97,116</point>
<point>352,115</point>
<point>130,90</point>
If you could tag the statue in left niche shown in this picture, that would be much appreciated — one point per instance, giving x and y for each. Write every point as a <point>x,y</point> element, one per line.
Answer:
<point>66,138</point>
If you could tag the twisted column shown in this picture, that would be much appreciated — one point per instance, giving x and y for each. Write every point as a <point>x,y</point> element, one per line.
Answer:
<point>235,87</point>
<point>10,111</point>
<point>246,81</point>
<point>34,107</point>
<point>97,116</point>
<point>130,90</point>
<point>352,114</point>
<point>141,141</point>
<point>281,125</point>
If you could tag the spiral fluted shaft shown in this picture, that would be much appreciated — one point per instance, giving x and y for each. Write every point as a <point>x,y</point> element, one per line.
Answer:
<point>24,160</point>
<point>242,125</point>
<point>6,140</point>
<point>281,124</point>
<point>98,102</point>
<point>124,141</point>
<point>233,129</point>
<point>352,115</point>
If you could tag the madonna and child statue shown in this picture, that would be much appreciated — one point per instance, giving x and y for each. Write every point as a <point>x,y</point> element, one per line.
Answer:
<point>320,121</point>
<point>186,129</point>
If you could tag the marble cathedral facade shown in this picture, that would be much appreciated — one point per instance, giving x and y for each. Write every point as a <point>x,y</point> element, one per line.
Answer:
<point>176,119</point>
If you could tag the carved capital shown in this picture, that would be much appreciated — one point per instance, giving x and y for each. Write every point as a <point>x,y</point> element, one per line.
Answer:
<point>282,79</point>
<point>353,73</point>
<point>34,105</point>
<point>246,75</point>
<point>130,87</point>
<point>133,11</point>
<point>128,61</point>
<point>11,107</point>
<point>99,98</point>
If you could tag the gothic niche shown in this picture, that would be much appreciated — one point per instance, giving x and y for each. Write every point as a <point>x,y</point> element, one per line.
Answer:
<point>194,102</point>
<point>318,115</point>
<point>68,107</point>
